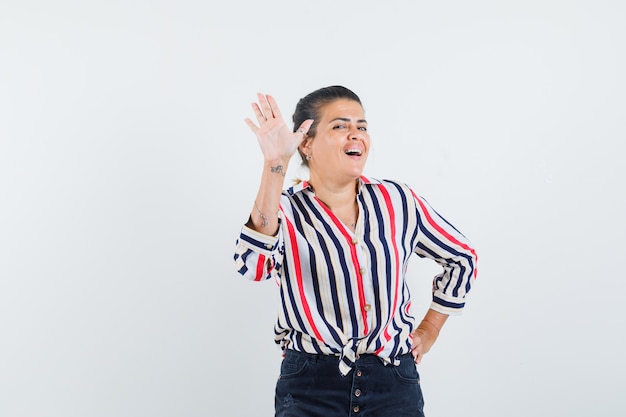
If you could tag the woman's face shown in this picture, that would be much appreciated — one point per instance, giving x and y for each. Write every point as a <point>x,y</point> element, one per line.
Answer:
<point>341,144</point>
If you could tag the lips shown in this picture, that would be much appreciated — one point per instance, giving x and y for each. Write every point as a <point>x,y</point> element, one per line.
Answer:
<point>354,152</point>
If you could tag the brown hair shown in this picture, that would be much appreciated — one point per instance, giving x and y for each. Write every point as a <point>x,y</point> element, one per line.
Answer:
<point>310,107</point>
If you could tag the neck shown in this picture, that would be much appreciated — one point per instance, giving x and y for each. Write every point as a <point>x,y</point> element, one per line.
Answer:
<point>334,195</point>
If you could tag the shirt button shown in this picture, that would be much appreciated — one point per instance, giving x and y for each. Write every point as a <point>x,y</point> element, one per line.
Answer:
<point>362,271</point>
<point>356,409</point>
<point>268,246</point>
<point>354,241</point>
<point>357,393</point>
<point>359,373</point>
<point>367,307</point>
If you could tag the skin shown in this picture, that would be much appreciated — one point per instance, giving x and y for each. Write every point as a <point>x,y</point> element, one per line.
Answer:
<point>278,144</point>
<point>424,337</point>
<point>341,127</point>
<point>333,175</point>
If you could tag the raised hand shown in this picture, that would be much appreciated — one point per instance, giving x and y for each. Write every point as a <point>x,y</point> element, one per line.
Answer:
<point>277,141</point>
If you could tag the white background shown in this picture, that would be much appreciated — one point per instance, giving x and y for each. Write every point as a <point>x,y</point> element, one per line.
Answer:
<point>126,172</point>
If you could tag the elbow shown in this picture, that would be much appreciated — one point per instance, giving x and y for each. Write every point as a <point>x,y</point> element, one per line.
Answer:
<point>474,264</point>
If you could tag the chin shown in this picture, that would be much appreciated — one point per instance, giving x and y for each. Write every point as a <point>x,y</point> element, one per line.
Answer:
<point>356,173</point>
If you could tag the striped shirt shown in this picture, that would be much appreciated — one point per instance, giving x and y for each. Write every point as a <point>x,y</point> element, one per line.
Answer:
<point>344,293</point>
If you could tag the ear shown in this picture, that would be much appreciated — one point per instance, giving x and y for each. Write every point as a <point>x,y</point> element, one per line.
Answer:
<point>305,146</point>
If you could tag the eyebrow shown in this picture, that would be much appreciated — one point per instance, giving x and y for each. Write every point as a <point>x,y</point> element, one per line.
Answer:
<point>345,119</point>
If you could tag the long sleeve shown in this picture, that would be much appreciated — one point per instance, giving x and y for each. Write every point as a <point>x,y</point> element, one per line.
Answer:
<point>440,241</point>
<point>258,256</point>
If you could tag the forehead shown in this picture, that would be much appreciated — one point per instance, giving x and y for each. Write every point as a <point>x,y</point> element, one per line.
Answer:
<point>342,108</point>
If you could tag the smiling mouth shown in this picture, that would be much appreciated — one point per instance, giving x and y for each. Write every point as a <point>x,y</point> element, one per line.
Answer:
<point>354,152</point>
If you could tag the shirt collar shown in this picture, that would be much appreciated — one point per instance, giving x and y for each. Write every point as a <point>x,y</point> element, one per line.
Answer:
<point>303,185</point>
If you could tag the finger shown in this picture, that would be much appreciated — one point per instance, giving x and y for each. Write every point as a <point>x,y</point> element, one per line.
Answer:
<point>302,134</point>
<point>416,350</point>
<point>258,113</point>
<point>265,106</point>
<point>303,130</point>
<point>251,125</point>
<point>305,126</point>
<point>274,106</point>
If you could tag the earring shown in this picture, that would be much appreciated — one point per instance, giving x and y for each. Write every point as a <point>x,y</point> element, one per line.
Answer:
<point>308,157</point>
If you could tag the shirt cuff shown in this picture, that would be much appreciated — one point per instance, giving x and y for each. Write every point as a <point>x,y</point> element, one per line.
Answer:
<point>256,241</point>
<point>447,305</point>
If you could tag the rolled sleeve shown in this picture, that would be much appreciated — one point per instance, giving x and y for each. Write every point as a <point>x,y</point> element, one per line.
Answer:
<point>256,254</point>
<point>443,243</point>
<point>258,242</point>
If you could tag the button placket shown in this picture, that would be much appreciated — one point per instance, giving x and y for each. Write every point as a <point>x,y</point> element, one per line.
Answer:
<point>366,279</point>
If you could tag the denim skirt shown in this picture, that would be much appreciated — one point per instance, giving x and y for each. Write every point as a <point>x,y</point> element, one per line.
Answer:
<point>311,386</point>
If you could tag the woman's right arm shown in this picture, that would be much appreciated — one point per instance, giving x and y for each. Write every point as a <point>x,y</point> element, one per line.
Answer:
<point>256,253</point>
<point>278,144</point>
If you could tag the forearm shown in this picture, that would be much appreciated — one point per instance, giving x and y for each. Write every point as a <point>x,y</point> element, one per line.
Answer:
<point>278,144</point>
<point>264,214</point>
<point>424,337</point>
<point>431,325</point>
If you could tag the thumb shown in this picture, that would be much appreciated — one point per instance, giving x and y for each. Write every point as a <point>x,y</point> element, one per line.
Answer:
<point>305,126</point>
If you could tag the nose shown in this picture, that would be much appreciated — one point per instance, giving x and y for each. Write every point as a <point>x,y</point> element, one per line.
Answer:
<point>356,133</point>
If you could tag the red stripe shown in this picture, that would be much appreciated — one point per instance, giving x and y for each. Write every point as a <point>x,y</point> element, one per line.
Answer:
<point>260,268</point>
<point>355,262</point>
<point>396,256</point>
<point>298,272</point>
<point>448,236</point>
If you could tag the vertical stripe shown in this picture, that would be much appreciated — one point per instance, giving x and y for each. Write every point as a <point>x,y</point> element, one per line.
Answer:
<point>355,262</point>
<point>337,272</point>
<point>396,261</point>
<point>319,284</point>
<point>260,268</point>
<point>298,271</point>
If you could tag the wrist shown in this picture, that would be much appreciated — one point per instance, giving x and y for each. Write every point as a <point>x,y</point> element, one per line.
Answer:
<point>428,327</point>
<point>277,166</point>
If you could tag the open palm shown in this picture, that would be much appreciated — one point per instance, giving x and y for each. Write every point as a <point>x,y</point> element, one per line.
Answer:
<point>277,141</point>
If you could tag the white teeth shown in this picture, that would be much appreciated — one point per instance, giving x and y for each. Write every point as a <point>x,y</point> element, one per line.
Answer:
<point>353,152</point>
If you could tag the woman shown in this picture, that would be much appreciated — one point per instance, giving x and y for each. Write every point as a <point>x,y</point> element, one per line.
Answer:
<point>338,245</point>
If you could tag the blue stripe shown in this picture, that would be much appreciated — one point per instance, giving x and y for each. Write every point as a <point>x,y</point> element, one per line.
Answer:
<point>288,298</point>
<point>252,241</point>
<point>447,303</point>
<point>314,275</point>
<point>376,249</point>
<point>331,273</point>
<point>345,272</point>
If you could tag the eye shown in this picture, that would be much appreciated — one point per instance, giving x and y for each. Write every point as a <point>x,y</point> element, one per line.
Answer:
<point>339,127</point>
<point>363,128</point>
